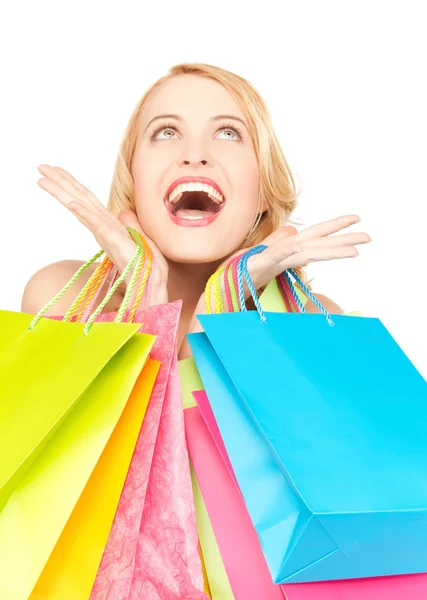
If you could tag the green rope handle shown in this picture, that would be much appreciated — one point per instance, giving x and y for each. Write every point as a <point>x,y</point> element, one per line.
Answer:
<point>65,289</point>
<point>137,256</point>
<point>80,296</point>
<point>124,305</point>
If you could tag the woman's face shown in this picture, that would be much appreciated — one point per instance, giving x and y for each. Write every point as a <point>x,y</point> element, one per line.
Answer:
<point>192,128</point>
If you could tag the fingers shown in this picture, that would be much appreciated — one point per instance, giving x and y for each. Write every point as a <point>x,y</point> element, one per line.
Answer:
<point>349,239</point>
<point>267,265</point>
<point>66,175</point>
<point>62,185</point>
<point>318,254</point>
<point>90,218</point>
<point>328,227</point>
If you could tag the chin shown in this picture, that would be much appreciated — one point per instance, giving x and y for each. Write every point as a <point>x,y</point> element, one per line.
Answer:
<point>195,258</point>
<point>197,254</point>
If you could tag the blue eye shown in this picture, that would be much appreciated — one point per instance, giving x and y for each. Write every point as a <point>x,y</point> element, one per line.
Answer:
<point>234,129</point>
<point>160,127</point>
<point>170,128</point>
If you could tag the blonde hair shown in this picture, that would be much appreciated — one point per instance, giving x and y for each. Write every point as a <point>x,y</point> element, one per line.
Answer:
<point>277,190</point>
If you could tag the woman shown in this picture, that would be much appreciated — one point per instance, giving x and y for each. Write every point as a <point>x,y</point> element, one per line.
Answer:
<point>200,174</point>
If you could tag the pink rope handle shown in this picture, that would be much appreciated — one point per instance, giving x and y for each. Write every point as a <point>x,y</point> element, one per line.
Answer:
<point>137,285</point>
<point>287,294</point>
<point>90,306</point>
<point>150,282</point>
<point>233,265</point>
<point>281,282</point>
<point>285,291</point>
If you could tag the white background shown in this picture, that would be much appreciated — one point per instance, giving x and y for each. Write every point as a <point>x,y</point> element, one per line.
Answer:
<point>346,86</point>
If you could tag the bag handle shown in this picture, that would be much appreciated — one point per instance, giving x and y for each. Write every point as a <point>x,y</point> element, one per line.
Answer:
<point>242,271</point>
<point>226,276</point>
<point>93,288</point>
<point>94,285</point>
<point>214,287</point>
<point>89,292</point>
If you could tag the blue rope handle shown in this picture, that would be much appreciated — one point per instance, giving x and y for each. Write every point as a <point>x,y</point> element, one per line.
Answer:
<point>307,292</point>
<point>242,271</point>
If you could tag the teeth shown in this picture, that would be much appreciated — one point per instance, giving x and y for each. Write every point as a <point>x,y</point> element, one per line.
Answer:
<point>177,192</point>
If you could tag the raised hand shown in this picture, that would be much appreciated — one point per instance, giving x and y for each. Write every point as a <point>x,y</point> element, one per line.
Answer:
<point>109,231</point>
<point>289,249</point>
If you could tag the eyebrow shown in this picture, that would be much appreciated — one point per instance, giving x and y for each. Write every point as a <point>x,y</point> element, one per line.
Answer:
<point>179,118</point>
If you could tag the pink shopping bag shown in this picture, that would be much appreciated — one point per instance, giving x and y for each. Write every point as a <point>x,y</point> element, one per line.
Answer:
<point>152,550</point>
<point>237,540</point>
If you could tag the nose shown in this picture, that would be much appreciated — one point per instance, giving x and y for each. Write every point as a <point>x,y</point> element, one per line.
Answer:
<point>195,152</point>
<point>188,162</point>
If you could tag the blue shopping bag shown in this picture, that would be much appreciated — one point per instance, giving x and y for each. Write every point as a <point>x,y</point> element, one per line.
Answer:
<point>326,429</point>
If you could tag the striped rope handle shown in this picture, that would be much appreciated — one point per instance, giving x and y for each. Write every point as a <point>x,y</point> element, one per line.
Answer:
<point>288,293</point>
<point>88,311</point>
<point>242,271</point>
<point>144,271</point>
<point>227,276</point>
<point>95,282</point>
<point>144,281</point>
<point>89,291</point>
<point>286,288</point>
<point>220,284</point>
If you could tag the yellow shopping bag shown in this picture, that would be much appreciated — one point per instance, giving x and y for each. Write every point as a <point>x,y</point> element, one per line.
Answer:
<point>71,569</point>
<point>42,501</point>
<point>64,387</point>
<point>43,372</point>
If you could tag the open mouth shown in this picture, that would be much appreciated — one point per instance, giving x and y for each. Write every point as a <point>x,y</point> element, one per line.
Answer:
<point>193,202</point>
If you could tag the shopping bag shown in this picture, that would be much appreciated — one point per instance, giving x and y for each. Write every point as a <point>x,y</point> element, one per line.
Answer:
<point>71,569</point>
<point>219,584</point>
<point>237,540</point>
<point>38,508</point>
<point>355,512</point>
<point>190,381</point>
<point>152,547</point>
<point>382,588</point>
<point>376,588</point>
<point>53,363</point>
<point>205,576</point>
<point>62,412</point>
<point>216,574</point>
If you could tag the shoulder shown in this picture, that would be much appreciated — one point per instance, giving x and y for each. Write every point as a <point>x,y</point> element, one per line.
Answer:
<point>48,281</point>
<point>331,306</point>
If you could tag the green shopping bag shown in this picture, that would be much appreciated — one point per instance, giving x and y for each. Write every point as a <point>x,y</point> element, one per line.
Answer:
<point>63,388</point>
<point>45,366</point>
<point>43,372</point>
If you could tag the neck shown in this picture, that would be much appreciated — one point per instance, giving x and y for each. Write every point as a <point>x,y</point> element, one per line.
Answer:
<point>187,282</point>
